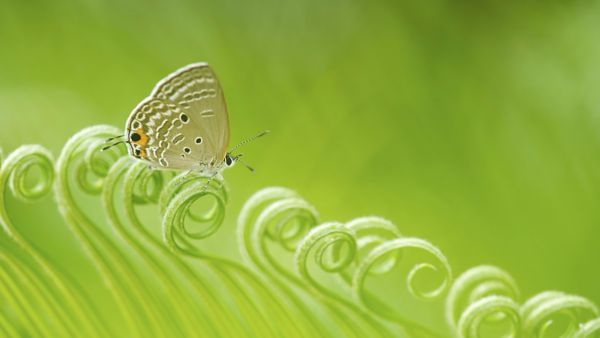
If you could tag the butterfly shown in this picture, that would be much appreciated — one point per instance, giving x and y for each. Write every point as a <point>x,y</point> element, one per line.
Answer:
<point>183,124</point>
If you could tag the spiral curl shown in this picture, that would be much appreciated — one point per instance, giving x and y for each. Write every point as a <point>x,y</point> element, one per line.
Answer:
<point>370,232</point>
<point>474,285</point>
<point>248,215</point>
<point>143,186</point>
<point>82,158</point>
<point>489,309</point>
<point>92,164</point>
<point>352,251</point>
<point>334,248</point>
<point>540,311</point>
<point>487,294</point>
<point>148,185</point>
<point>390,247</point>
<point>339,248</point>
<point>175,202</point>
<point>365,243</point>
<point>17,288</point>
<point>275,214</point>
<point>16,173</point>
<point>18,166</point>
<point>259,223</point>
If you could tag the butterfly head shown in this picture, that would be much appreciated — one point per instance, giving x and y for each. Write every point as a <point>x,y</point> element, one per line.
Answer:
<point>230,160</point>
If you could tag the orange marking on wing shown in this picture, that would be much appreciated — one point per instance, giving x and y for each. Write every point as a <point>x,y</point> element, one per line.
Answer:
<point>143,138</point>
<point>142,142</point>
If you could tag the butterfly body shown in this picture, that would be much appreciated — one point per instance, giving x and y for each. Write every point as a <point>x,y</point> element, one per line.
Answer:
<point>183,124</point>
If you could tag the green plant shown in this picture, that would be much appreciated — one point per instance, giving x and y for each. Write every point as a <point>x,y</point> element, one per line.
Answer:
<point>301,277</point>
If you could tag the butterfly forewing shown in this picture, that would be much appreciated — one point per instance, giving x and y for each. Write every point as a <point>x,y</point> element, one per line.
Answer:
<point>184,123</point>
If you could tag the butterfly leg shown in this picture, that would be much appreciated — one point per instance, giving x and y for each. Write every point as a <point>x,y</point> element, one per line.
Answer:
<point>209,179</point>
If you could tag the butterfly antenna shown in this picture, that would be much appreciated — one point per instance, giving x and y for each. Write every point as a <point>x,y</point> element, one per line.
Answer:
<point>114,138</point>
<point>248,140</point>
<point>112,145</point>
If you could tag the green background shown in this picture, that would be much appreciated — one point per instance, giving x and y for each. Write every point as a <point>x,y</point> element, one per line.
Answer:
<point>473,125</point>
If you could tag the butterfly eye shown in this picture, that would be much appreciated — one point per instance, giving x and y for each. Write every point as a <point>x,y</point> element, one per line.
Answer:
<point>135,137</point>
<point>228,160</point>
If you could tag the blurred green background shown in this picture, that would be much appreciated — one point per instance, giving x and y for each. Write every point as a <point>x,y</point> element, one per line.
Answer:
<point>473,125</point>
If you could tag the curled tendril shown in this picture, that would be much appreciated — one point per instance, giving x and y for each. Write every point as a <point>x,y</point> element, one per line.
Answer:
<point>148,185</point>
<point>254,236</point>
<point>339,247</point>
<point>354,251</point>
<point>247,219</point>
<point>589,329</point>
<point>279,216</point>
<point>94,165</point>
<point>176,201</point>
<point>391,247</point>
<point>141,186</point>
<point>370,232</point>
<point>486,309</point>
<point>14,173</point>
<point>489,295</point>
<point>476,284</point>
<point>333,246</point>
<point>20,164</point>
<point>82,157</point>
<point>540,311</point>
<point>284,222</point>
<point>275,214</point>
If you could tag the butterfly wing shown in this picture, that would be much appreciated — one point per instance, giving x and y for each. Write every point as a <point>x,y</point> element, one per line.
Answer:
<point>184,122</point>
<point>196,89</point>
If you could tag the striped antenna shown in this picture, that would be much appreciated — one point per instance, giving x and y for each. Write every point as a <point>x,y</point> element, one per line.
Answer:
<point>114,138</point>
<point>248,140</point>
<point>112,145</point>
